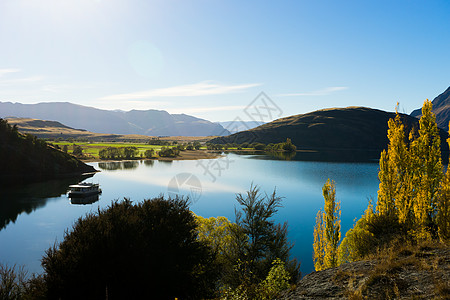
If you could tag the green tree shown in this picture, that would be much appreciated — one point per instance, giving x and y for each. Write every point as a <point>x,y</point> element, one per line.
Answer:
<point>267,241</point>
<point>288,146</point>
<point>129,152</point>
<point>149,153</point>
<point>77,150</point>
<point>327,232</point>
<point>169,152</point>
<point>65,149</point>
<point>146,250</point>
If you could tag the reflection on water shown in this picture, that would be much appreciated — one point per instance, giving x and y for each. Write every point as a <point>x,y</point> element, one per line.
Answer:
<point>118,165</point>
<point>149,163</point>
<point>283,155</point>
<point>355,155</point>
<point>84,200</point>
<point>29,197</point>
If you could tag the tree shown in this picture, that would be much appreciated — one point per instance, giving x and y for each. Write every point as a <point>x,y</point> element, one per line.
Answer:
<point>266,240</point>
<point>77,150</point>
<point>149,153</point>
<point>395,192</point>
<point>169,152</point>
<point>65,149</point>
<point>428,172</point>
<point>443,206</point>
<point>327,232</point>
<point>129,152</point>
<point>146,250</point>
<point>288,146</point>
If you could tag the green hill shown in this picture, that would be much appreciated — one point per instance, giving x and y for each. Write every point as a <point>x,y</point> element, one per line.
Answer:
<point>351,128</point>
<point>25,158</point>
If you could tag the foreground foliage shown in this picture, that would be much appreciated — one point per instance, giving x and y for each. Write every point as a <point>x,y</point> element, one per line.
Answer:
<point>128,251</point>
<point>252,254</point>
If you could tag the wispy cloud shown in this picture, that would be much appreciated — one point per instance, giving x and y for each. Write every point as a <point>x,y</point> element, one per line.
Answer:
<point>192,110</point>
<point>197,89</point>
<point>322,92</point>
<point>13,81</point>
<point>6,71</point>
<point>21,80</point>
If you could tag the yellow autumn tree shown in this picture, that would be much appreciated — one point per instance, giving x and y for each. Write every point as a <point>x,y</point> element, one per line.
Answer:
<point>396,188</point>
<point>443,206</point>
<point>443,214</point>
<point>319,242</point>
<point>428,172</point>
<point>327,232</point>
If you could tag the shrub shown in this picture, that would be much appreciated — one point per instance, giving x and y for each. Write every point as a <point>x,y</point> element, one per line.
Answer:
<point>148,250</point>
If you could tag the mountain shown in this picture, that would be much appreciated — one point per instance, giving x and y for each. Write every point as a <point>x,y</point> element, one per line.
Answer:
<point>145,122</point>
<point>351,128</point>
<point>238,126</point>
<point>441,107</point>
<point>24,158</point>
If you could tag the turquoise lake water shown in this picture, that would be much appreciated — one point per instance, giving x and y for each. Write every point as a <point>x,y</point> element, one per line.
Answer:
<point>34,217</point>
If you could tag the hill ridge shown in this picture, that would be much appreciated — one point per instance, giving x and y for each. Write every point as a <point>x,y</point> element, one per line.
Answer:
<point>347,128</point>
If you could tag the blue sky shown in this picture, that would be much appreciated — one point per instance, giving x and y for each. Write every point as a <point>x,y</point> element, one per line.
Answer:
<point>211,58</point>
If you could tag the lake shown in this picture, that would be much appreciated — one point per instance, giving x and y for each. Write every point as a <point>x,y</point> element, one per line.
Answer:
<point>34,217</point>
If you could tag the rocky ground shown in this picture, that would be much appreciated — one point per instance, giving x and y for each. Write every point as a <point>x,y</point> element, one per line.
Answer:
<point>410,273</point>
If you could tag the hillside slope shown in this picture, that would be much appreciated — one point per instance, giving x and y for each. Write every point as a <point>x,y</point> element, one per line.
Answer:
<point>26,158</point>
<point>351,128</point>
<point>441,107</point>
<point>421,273</point>
<point>54,130</point>
<point>147,122</point>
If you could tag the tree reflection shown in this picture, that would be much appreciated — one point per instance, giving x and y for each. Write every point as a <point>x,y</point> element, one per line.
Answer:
<point>29,197</point>
<point>118,165</point>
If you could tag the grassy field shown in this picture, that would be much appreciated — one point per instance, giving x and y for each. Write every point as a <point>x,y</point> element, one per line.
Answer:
<point>91,150</point>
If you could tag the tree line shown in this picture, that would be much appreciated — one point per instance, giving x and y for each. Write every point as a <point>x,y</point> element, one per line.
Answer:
<point>286,146</point>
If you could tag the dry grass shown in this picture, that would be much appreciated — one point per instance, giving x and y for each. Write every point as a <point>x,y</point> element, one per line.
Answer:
<point>387,280</point>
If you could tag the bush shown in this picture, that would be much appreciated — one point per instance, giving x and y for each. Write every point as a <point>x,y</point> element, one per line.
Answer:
<point>149,250</point>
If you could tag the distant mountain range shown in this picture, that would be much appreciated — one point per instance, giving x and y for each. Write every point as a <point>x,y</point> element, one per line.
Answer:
<point>441,107</point>
<point>145,122</point>
<point>351,128</point>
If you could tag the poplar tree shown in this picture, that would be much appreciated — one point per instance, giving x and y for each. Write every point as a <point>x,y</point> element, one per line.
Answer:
<point>319,242</point>
<point>443,205</point>
<point>327,232</point>
<point>394,194</point>
<point>443,214</point>
<point>428,175</point>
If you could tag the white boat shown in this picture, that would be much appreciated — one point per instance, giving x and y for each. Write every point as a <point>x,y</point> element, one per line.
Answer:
<point>84,189</point>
